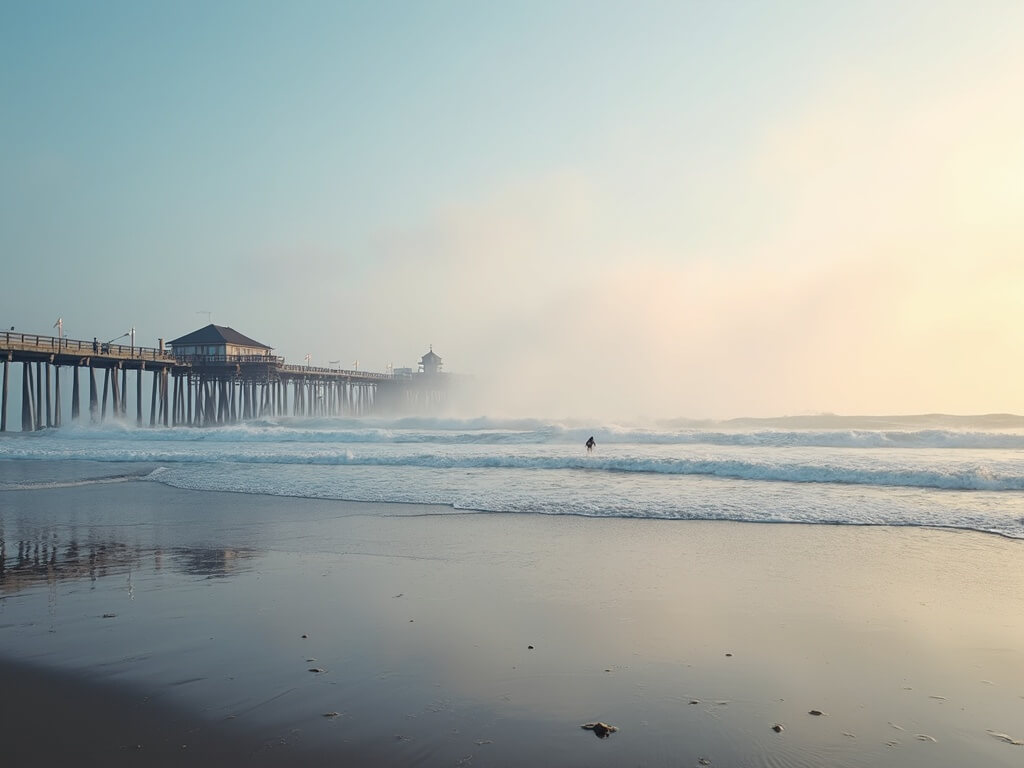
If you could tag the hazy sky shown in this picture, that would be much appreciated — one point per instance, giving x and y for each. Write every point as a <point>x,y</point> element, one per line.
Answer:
<point>605,208</point>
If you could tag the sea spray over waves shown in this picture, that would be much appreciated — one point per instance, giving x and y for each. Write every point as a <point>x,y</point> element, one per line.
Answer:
<point>484,431</point>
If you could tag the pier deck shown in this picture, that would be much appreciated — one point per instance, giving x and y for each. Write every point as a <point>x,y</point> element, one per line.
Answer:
<point>196,390</point>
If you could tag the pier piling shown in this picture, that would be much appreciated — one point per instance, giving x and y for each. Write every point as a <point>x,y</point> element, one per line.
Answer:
<point>3,403</point>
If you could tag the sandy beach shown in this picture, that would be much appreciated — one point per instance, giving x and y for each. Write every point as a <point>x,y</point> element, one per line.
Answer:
<point>142,624</point>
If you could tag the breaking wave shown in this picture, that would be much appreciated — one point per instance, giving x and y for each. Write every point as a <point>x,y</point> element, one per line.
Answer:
<point>485,431</point>
<point>835,467</point>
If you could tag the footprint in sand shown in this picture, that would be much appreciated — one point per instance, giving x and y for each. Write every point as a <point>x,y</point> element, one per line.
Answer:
<point>1006,738</point>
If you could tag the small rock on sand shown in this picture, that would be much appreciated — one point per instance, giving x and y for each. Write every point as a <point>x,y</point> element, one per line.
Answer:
<point>317,670</point>
<point>601,730</point>
<point>816,712</point>
<point>778,728</point>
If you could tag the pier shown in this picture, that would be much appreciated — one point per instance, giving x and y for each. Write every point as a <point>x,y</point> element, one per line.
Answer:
<point>213,376</point>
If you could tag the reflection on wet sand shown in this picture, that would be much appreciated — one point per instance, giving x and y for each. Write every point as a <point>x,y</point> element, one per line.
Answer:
<point>42,557</point>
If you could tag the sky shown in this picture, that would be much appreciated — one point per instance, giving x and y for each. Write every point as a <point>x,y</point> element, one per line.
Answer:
<point>596,209</point>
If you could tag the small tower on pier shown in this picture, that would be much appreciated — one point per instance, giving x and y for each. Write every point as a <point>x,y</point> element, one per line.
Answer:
<point>430,363</point>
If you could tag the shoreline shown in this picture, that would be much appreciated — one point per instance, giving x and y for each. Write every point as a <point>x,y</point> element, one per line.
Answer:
<point>130,477</point>
<point>217,605</point>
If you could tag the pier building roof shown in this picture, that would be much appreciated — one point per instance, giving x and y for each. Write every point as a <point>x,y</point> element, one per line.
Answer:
<point>217,334</point>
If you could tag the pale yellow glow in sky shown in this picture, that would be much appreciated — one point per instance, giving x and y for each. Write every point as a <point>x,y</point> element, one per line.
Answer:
<point>888,279</point>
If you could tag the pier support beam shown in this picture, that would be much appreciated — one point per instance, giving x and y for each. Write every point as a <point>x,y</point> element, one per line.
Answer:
<point>49,406</point>
<point>39,396</point>
<point>115,394</point>
<point>3,404</point>
<point>103,400</point>
<point>56,396</point>
<point>75,404</point>
<point>209,401</point>
<point>152,400</point>
<point>222,405</point>
<point>163,380</point>
<point>174,402</point>
<point>27,417</point>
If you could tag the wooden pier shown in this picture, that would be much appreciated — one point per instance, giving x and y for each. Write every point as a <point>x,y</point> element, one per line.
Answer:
<point>198,389</point>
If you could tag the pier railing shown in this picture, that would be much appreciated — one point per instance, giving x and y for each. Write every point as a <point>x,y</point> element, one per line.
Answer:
<point>312,369</point>
<point>228,359</point>
<point>32,342</point>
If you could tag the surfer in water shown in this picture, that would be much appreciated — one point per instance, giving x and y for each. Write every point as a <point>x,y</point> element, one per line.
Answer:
<point>590,444</point>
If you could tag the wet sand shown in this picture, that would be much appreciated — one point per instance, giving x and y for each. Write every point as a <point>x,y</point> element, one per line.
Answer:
<point>140,624</point>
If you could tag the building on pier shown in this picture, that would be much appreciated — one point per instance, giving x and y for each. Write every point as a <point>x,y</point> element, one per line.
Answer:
<point>217,342</point>
<point>430,363</point>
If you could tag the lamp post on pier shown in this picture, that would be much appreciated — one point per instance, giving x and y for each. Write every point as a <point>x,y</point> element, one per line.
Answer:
<point>118,338</point>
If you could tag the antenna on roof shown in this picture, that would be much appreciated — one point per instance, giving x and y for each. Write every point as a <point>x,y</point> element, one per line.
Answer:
<point>208,313</point>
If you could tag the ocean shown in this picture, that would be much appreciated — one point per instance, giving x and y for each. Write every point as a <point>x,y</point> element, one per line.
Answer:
<point>934,471</point>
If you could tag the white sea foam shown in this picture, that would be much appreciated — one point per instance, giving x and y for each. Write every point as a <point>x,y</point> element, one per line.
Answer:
<point>934,476</point>
<point>794,466</point>
<point>37,485</point>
